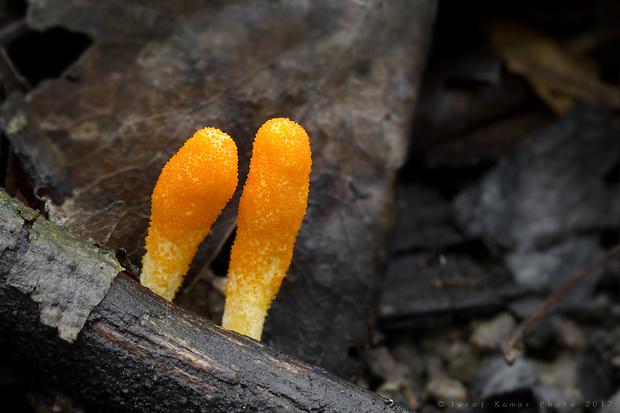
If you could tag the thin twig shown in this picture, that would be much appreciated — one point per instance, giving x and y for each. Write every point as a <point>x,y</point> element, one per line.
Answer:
<point>511,352</point>
<point>10,80</point>
<point>13,31</point>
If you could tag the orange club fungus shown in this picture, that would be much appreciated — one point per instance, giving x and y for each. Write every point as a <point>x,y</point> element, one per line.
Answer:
<point>272,207</point>
<point>193,188</point>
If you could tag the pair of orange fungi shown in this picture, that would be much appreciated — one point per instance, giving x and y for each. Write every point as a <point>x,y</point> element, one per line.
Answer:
<point>192,190</point>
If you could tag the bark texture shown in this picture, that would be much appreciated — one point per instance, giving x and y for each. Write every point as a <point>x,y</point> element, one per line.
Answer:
<point>135,351</point>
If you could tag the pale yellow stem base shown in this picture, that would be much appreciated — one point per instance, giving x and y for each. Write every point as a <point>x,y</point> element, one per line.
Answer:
<point>248,298</point>
<point>163,282</point>
<point>165,264</point>
<point>244,317</point>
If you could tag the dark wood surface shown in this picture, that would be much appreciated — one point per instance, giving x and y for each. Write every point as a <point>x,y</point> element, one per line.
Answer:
<point>137,352</point>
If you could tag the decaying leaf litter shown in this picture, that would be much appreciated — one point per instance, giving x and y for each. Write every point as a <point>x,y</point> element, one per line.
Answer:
<point>477,129</point>
<point>121,111</point>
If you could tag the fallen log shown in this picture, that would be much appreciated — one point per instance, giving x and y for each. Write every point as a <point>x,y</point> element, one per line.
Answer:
<point>79,327</point>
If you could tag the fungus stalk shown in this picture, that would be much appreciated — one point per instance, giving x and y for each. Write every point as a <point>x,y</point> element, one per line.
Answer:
<point>193,188</point>
<point>271,210</point>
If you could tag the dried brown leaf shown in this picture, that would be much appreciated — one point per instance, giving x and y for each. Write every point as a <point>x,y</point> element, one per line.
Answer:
<point>559,76</point>
<point>346,71</point>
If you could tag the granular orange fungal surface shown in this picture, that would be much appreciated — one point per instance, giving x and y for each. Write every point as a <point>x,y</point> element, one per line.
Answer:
<point>192,190</point>
<point>271,211</point>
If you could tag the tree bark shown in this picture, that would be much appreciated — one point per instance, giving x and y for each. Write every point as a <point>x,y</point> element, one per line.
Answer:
<point>81,328</point>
